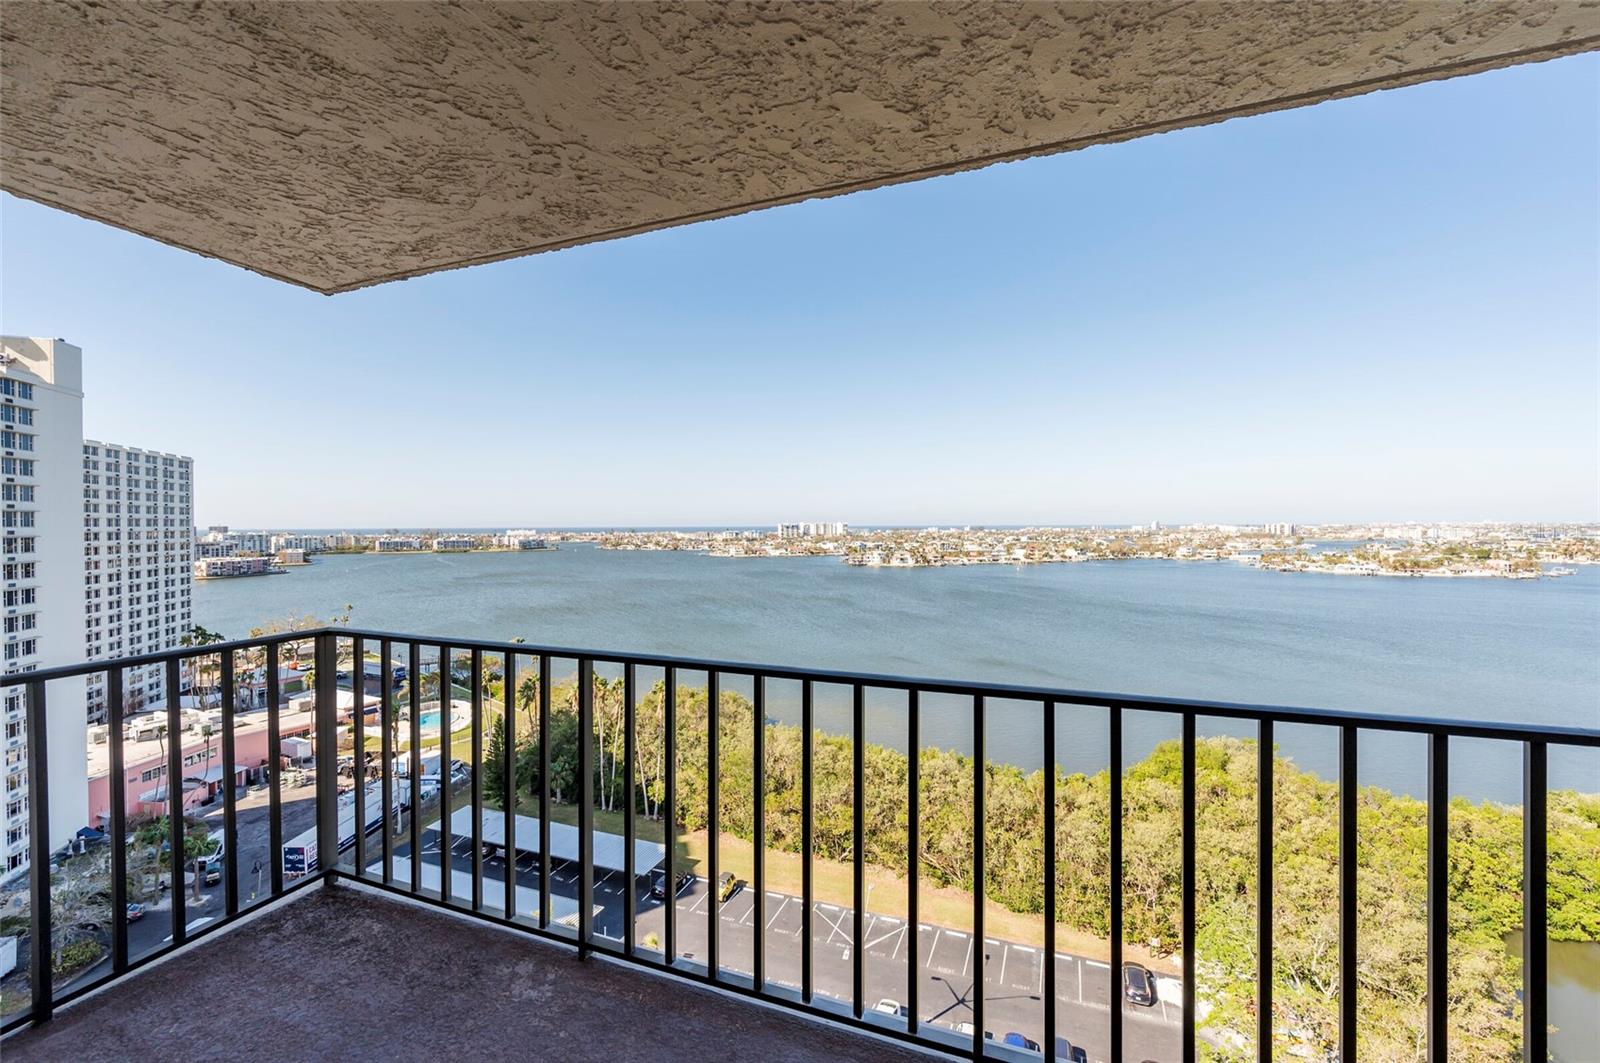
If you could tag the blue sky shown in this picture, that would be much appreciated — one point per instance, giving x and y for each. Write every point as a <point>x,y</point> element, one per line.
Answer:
<point>1378,308</point>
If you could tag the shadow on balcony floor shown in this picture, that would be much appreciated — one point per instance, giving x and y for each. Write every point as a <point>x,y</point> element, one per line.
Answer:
<point>342,974</point>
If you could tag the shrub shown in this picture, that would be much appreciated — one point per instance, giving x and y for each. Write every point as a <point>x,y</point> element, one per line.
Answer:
<point>77,955</point>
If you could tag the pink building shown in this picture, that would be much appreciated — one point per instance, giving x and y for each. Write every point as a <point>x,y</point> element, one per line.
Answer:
<point>144,771</point>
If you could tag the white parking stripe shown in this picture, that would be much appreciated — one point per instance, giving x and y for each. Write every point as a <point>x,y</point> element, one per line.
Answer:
<point>967,966</point>
<point>833,925</point>
<point>781,907</point>
<point>875,941</point>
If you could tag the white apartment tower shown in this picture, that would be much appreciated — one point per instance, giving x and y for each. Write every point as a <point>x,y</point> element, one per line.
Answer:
<point>41,510</point>
<point>138,554</point>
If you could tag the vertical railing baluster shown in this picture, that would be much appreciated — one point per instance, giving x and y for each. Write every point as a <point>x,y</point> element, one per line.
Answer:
<point>1347,893</point>
<point>358,748</point>
<point>414,763</point>
<point>544,791</point>
<point>117,776</point>
<point>1114,865</point>
<point>714,905</point>
<point>386,722</point>
<point>630,755</point>
<point>759,848</point>
<point>1190,884</point>
<point>1438,897</point>
<point>1050,879</point>
<point>477,780</point>
<point>325,708</point>
<point>1264,791</point>
<point>40,950</point>
<point>508,779</point>
<point>807,898</point>
<point>669,811</point>
<point>230,797</point>
<point>447,856</point>
<point>175,831</point>
<point>1535,896</point>
<point>585,804</point>
<point>980,947</point>
<point>274,767</point>
<point>913,852</point>
<point>858,821</point>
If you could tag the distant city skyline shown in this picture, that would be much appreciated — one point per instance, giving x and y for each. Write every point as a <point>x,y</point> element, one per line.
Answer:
<point>1382,309</point>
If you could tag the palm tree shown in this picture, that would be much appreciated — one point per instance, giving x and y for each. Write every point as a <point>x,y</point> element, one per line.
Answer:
<point>199,667</point>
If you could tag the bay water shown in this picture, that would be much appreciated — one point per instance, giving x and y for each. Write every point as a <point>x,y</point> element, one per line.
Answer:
<point>1475,649</point>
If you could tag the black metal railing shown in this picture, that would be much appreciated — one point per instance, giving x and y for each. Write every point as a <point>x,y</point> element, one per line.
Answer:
<point>345,853</point>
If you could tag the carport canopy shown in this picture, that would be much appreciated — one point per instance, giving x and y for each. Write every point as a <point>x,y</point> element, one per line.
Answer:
<point>609,850</point>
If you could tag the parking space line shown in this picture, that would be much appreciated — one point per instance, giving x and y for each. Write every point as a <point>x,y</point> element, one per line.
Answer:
<point>967,966</point>
<point>785,904</point>
<point>833,925</point>
<point>877,941</point>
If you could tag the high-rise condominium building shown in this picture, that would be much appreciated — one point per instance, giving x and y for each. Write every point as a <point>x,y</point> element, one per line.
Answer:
<point>138,554</point>
<point>41,551</point>
<point>824,530</point>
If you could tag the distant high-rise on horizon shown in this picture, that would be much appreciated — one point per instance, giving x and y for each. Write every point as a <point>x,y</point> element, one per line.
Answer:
<point>813,531</point>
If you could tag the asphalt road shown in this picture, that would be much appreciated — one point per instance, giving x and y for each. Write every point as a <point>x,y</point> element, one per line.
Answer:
<point>154,929</point>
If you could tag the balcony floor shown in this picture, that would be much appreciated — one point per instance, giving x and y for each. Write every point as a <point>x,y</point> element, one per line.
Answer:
<point>345,974</point>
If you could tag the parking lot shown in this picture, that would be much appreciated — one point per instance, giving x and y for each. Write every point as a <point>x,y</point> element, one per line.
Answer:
<point>946,960</point>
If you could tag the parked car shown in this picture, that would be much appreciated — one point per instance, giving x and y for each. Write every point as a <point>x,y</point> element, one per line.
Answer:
<point>135,911</point>
<point>1016,1040</point>
<point>1065,1049</point>
<point>1138,985</point>
<point>888,1006</point>
<point>658,884</point>
<point>727,886</point>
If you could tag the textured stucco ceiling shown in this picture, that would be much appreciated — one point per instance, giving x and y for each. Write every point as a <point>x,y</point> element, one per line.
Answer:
<point>337,145</point>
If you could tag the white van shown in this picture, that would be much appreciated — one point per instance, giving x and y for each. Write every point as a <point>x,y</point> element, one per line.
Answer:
<point>212,864</point>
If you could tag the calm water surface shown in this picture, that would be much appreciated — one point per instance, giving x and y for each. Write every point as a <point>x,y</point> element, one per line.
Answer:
<point>1476,649</point>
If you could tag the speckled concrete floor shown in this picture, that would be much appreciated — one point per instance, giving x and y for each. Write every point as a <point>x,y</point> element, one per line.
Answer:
<point>343,974</point>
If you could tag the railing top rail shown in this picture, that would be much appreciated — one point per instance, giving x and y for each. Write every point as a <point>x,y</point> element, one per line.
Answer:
<point>1417,724</point>
<point>69,671</point>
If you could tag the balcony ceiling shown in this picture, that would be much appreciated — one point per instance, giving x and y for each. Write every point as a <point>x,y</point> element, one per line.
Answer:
<point>337,145</point>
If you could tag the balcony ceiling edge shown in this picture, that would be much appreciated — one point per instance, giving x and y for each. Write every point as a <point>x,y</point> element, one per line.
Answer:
<point>346,144</point>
